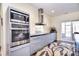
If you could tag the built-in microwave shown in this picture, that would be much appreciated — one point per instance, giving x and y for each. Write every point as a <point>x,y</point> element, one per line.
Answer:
<point>17,16</point>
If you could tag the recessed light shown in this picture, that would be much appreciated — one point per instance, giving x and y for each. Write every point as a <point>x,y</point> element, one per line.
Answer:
<point>53,11</point>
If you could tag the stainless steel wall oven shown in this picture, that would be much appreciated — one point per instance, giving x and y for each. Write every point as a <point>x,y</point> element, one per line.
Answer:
<point>19,27</point>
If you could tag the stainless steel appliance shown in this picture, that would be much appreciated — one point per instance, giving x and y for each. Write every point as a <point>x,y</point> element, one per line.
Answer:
<point>17,16</point>
<point>19,27</point>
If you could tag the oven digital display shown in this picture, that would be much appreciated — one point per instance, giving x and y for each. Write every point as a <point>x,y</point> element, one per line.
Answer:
<point>19,26</point>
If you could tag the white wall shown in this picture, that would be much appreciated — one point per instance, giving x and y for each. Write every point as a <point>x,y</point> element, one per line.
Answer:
<point>0,9</point>
<point>33,12</point>
<point>47,22</point>
<point>57,20</point>
<point>0,25</point>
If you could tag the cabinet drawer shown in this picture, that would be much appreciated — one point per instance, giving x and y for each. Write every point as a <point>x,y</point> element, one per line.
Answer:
<point>24,51</point>
<point>36,46</point>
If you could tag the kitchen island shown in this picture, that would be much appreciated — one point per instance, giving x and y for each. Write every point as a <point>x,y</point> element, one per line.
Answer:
<point>41,40</point>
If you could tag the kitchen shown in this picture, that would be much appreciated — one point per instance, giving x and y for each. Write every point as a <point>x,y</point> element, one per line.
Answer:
<point>33,22</point>
<point>27,28</point>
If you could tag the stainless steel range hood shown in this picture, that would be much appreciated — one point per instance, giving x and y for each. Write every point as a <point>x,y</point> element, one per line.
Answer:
<point>40,17</point>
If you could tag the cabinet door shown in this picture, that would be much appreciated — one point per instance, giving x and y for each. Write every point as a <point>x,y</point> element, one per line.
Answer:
<point>24,51</point>
<point>35,39</point>
<point>0,31</point>
<point>45,40</point>
<point>52,37</point>
<point>35,47</point>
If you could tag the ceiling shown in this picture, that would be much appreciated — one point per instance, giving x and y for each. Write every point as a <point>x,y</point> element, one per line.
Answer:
<point>59,8</point>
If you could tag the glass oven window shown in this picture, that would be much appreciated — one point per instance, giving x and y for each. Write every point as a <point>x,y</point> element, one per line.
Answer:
<point>18,35</point>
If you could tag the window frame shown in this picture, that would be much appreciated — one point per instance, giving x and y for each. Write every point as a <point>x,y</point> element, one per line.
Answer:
<point>71,27</point>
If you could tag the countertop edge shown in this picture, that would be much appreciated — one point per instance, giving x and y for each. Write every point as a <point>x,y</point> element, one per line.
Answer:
<point>40,34</point>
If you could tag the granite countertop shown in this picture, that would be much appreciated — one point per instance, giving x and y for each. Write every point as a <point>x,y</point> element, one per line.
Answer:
<point>39,34</point>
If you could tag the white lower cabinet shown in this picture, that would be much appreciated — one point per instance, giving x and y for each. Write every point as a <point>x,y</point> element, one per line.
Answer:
<point>52,37</point>
<point>37,44</point>
<point>35,47</point>
<point>20,51</point>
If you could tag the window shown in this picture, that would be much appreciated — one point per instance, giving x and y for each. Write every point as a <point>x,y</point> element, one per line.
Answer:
<point>66,30</point>
<point>76,29</point>
<point>75,26</point>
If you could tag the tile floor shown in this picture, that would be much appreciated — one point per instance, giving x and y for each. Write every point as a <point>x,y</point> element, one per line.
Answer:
<point>53,49</point>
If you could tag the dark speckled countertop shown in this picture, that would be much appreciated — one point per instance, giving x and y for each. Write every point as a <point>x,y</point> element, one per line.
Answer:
<point>39,34</point>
